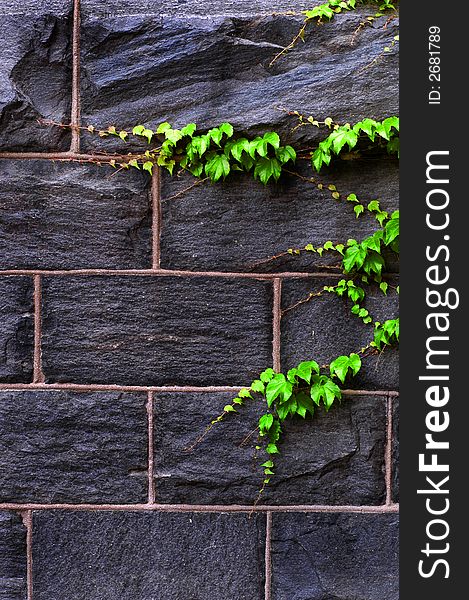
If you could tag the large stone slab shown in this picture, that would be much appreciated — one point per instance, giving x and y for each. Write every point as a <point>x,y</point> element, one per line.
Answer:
<point>337,458</point>
<point>68,216</point>
<point>125,555</point>
<point>237,225</point>
<point>70,447</point>
<point>35,74</point>
<point>319,556</point>
<point>324,328</point>
<point>12,557</point>
<point>16,331</point>
<point>156,330</point>
<point>151,68</point>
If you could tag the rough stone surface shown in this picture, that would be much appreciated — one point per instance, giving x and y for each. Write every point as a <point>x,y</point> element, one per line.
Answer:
<point>96,8</point>
<point>235,225</point>
<point>65,216</point>
<point>335,459</point>
<point>12,557</point>
<point>73,447</point>
<point>395,450</point>
<point>104,556</point>
<point>326,556</point>
<point>35,74</point>
<point>156,330</point>
<point>324,328</point>
<point>132,68</point>
<point>16,331</point>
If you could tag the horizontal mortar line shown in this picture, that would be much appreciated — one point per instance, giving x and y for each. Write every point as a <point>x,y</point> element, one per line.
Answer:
<point>179,273</point>
<point>96,387</point>
<point>209,508</point>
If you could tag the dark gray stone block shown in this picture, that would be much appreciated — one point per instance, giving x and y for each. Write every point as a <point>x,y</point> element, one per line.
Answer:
<point>324,328</point>
<point>327,556</point>
<point>109,555</point>
<point>73,447</point>
<point>335,459</point>
<point>156,330</point>
<point>12,557</point>
<point>16,331</point>
<point>132,68</point>
<point>233,226</point>
<point>66,216</point>
<point>94,8</point>
<point>35,74</point>
<point>395,450</point>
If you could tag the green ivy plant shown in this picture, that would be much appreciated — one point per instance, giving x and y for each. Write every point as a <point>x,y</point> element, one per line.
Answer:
<point>326,12</point>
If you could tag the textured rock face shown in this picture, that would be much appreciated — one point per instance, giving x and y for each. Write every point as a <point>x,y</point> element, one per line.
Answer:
<point>148,555</point>
<point>225,61</point>
<point>235,225</point>
<point>16,331</point>
<point>12,557</point>
<point>335,459</point>
<point>151,331</point>
<point>335,556</point>
<point>332,330</point>
<point>35,74</point>
<point>65,447</point>
<point>69,216</point>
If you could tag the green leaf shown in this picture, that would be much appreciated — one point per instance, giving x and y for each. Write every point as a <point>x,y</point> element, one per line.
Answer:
<point>339,367</point>
<point>267,168</point>
<point>227,129</point>
<point>343,136</point>
<point>272,138</point>
<point>258,386</point>
<point>162,127</point>
<point>305,404</point>
<point>268,464</point>
<point>278,387</point>
<point>217,167</point>
<point>267,375</point>
<point>373,206</point>
<point>272,449</point>
<point>189,129</point>
<point>285,154</point>
<point>228,408</point>
<point>138,130</point>
<point>325,390</point>
<point>148,166</point>
<point>306,369</point>
<point>265,422</point>
<point>358,209</point>
<point>173,135</point>
<point>216,135</point>
<point>354,257</point>
<point>383,286</point>
<point>238,147</point>
<point>238,401</point>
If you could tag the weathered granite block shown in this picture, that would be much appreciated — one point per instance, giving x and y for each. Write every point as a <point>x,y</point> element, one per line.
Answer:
<point>69,216</point>
<point>70,447</point>
<point>151,68</point>
<point>395,450</point>
<point>324,328</point>
<point>319,556</point>
<point>335,459</point>
<point>16,331</point>
<point>35,74</point>
<point>236,226</point>
<point>156,330</point>
<point>12,557</point>
<point>125,555</point>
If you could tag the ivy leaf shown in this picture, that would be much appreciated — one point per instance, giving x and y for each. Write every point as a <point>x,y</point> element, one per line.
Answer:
<point>339,367</point>
<point>162,127</point>
<point>291,375</point>
<point>265,422</point>
<point>245,393</point>
<point>383,286</point>
<point>173,135</point>
<point>391,229</point>
<point>272,449</point>
<point>285,154</point>
<point>267,168</point>
<point>306,369</point>
<point>278,387</point>
<point>148,166</point>
<point>238,147</point>
<point>354,257</point>
<point>138,129</point>
<point>272,138</point>
<point>189,129</point>
<point>227,129</point>
<point>326,390</point>
<point>258,386</point>
<point>267,375</point>
<point>228,408</point>
<point>217,167</point>
<point>358,209</point>
<point>216,135</point>
<point>343,136</point>
<point>305,404</point>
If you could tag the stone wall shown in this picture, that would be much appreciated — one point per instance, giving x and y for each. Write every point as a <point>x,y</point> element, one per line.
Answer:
<point>131,309</point>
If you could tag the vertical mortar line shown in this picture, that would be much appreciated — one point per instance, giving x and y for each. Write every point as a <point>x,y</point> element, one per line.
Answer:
<point>151,460</point>
<point>268,557</point>
<point>38,376</point>
<point>388,451</point>
<point>75,108</point>
<point>28,523</point>
<point>156,218</point>
<point>277,315</point>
